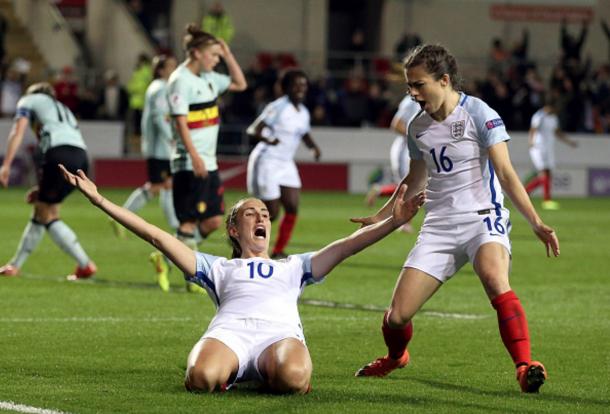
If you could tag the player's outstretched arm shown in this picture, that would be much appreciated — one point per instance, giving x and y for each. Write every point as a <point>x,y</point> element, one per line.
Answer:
<point>403,210</point>
<point>175,250</point>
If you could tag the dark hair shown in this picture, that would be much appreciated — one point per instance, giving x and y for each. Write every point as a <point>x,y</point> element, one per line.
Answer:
<point>231,221</point>
<point>158,64</point>
<point>196,38</point>
<point>437,60</point>
<point>41,87</point>
<point>289,77</point>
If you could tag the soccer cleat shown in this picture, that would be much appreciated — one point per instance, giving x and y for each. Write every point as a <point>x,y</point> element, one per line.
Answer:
<point>531,376</point>
<point>83,272</point>
<point>9,270</point>
<point>194,288</point>
<point>161,270</point>
<point>118,229</point>
<point>383,366</point>
<point>550,205</point>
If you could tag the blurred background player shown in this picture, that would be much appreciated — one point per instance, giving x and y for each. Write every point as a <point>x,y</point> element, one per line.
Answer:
<point>193,91</point>
<point>157,146</point>
<point>272,173</point>
<point>545,126</point>
<point>256,333</point>
<point>60,142</point>
<point>399,154</point>
<point>460,157</point>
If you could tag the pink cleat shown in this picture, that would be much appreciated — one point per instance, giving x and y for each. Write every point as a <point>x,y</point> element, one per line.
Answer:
<point>83,272</point>
<point>9,270</point>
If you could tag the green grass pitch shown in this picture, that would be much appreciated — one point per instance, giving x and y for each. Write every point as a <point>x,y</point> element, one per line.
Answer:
<point>119,345</point>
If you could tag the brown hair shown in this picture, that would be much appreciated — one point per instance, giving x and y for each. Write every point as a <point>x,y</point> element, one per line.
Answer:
<point>158,64</point>
<point>41,87</point>
<point>231,221</point>
<point>437,60</point>
<point>196,38</point>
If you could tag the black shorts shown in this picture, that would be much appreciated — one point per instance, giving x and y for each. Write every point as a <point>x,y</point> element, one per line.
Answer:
<point>158,170</point>
<point>52,187</point>
<point>196,198</point>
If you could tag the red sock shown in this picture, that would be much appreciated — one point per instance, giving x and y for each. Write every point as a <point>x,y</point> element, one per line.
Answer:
<point>396,339</point>
<point>286,226</point>
<point>546,187</point>
<point>387,190</point>
<point>513,326</point>
<point>534,182</point>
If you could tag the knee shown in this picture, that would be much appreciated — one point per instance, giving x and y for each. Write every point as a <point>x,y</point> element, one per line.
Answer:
<point>292,379</point>
<point>200,379</point>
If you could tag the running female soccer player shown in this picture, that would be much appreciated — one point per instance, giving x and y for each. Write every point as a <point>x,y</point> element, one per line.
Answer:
<point>256,333</point>
<point>459,155</point>
<point>272,173</point>
<point>59,141</point>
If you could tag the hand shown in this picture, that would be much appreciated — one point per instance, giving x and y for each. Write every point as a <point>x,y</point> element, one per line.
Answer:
<point>84,184</point>
<point>316,153</point>
<point>548,237</point>
<point>224,47</point>
<point>199,168</point>
<point>5,173</point>
<point>404,210</point>
<point>365,221</point>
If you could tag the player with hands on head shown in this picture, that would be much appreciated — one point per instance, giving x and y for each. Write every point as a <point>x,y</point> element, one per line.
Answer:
<point>256,333</point>
<point>59,141</point>
<point>193,91</point>
<point>272,173</point>
<point>460,157</point>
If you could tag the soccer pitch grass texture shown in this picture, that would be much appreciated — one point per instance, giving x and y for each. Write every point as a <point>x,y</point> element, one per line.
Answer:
<point>118,344</point>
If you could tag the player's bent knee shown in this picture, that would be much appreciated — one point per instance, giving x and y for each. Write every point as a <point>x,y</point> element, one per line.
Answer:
<point>292,379</point>
<point>199,379</point>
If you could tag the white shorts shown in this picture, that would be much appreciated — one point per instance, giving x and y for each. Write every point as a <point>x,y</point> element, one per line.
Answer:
<point>444,246</point>
<point>542,159</point>
<point>248,338</point>
<point>399,159</point>
<point>265,176</point>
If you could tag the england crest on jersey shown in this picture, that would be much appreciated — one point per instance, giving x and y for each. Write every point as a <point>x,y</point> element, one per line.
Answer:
<point>457,129</point>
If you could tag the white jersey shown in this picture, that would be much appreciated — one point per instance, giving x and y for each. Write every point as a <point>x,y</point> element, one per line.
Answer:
<point>287,123</point>
<point>399,152</point>
<point>461,178</point>
<point>254,288</point>
<point>546,125</point>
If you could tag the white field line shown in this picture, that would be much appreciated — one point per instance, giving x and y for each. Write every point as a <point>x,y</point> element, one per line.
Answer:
<point>20,408</point>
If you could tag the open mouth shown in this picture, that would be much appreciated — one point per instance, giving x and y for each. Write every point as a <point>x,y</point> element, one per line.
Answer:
<point>260,232</point>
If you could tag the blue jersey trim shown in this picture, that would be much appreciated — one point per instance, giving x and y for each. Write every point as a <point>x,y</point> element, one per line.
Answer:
<point>492,188</point>
<point>211,287</point>
<point>306,278</point>
<point>463,100</point>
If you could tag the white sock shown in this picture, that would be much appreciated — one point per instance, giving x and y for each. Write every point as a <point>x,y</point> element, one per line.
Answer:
<point>166,200</point>
<point>65,238</point>
<point>32,234</point>
<point>137,199</point>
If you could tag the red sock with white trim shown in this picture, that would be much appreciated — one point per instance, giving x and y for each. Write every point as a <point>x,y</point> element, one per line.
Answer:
<point>513,327</point>
<point>285,232</point>
<point>396,339</point>
<point>546,187</point>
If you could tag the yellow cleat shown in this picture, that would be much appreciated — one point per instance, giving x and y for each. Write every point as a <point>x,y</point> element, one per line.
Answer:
<point>161,270</point>
<point>194,288</point>
<point>118,229</point>
<point>550,205</point>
